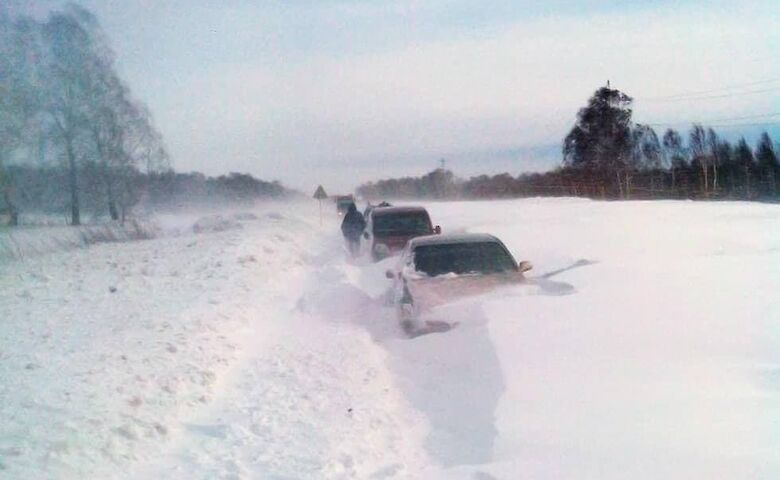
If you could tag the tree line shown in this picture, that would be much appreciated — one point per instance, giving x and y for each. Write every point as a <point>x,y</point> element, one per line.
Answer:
<point>606,155</point>
<point>38,190</point>
<point>72,137</point>
<point>62,103</point>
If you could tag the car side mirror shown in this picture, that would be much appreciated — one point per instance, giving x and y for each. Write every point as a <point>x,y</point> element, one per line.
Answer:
<point>366,235</point>
<point>524,266</point>
<point>437,229</point>
<point>389,274</point>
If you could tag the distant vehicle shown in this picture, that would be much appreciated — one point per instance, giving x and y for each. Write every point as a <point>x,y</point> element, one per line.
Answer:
<point>436,269</point>
<point>343,202</point>
<point>389,228</point>
<point>370,207</point>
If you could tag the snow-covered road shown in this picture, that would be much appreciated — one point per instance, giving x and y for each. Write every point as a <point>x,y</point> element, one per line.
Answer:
<point>645,346</point>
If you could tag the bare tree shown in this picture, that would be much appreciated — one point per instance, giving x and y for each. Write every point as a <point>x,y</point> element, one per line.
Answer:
<point>19,99</point>
<point>674,154</point>
<point>10,121</point>
<point>70,64</point>
<point>697,142</point>
<point>713,150</point>
<point>142,148</point>
<point>93,116</point>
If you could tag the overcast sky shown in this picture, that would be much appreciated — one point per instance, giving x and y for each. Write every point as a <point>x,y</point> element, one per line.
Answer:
<point>337,92</point>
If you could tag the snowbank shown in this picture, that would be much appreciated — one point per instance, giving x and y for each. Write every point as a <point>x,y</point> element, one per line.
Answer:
<point>30,241</point>
<point>25,242</point>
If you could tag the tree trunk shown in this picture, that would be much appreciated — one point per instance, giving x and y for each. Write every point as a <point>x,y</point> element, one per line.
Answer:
<point>747,182</point>
<point>704,170</point>
<point>112,210</point>
<point>13,211</point>
<point>75,211</point>
<point>619,183</point>
<point>628,186</point>
<point>714,178</point>
<point>674,183</point>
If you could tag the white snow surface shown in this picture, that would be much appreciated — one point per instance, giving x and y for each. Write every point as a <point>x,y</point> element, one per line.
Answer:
<point>644,346</point>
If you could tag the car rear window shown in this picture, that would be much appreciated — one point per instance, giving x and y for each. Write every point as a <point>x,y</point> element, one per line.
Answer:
<point>461,258</point>
<point>413,223</point>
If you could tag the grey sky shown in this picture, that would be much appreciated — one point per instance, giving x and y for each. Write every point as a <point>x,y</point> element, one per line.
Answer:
<point>337,92</point>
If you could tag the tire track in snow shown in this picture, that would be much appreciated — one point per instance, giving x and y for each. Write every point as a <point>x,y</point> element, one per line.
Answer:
<point>312,398</point>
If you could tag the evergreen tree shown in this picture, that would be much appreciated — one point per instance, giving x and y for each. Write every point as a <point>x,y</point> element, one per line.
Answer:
<point>767,163</point>
<point>743,158</point>
<point>601,139</point>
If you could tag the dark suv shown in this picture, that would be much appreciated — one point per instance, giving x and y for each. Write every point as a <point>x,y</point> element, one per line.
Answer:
<point>343,202</point>
<point>389,228</point>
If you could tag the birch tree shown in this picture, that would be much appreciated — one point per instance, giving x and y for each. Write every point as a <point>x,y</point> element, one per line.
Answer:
<point>674,154</point>
<point>697,142</point>
<point>70,65</point>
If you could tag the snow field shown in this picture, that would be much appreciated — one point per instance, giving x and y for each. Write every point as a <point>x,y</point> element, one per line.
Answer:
<point>659,361</point>
<point>643,346</point>
<point>103,349</point>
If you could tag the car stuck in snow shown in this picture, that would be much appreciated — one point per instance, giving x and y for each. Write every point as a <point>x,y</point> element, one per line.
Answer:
<point>436,269</point>
<point>343,202</point>
<point>388,229</point>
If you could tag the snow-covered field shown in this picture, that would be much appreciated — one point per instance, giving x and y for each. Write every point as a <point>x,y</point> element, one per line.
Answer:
<point>646,345</point>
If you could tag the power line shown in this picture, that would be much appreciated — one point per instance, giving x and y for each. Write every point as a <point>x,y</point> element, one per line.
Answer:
<point>715,125</point>
<point>708,97</point>
<point>761,115</point>
<point>737,125</point>
<point>715,90</point>
<point>722,119</point>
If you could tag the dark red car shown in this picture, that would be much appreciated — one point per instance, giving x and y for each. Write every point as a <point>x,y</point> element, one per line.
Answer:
<point>389,228</point>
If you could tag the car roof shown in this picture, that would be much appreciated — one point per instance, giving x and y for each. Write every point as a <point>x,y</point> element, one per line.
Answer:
<point>453,238</point>
<point>379,211</point>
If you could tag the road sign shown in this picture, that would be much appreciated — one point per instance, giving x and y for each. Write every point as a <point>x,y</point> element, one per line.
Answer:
<point>319,194</point>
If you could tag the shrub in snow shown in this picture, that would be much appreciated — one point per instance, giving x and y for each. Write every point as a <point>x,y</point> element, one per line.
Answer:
<point>215,223</point>
<point>245,216</point>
